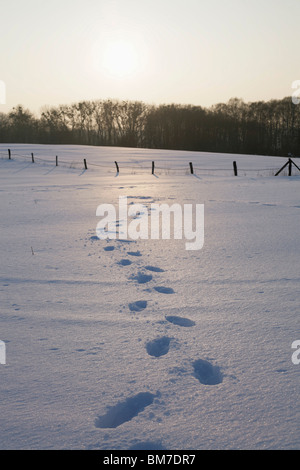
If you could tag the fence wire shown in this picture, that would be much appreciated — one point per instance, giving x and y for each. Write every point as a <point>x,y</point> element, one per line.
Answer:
<point>129,168</point>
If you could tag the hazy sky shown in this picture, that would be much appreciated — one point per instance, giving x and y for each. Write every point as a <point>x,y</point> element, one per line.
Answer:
<point>158,51</point>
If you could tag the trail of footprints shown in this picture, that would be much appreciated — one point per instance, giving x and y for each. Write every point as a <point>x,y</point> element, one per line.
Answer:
<point>204,371</point>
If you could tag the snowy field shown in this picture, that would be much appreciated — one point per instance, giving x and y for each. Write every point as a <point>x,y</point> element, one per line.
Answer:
<point>143,344</point>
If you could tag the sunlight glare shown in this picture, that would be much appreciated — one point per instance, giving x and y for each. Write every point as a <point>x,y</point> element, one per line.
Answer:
<point>120,59</point>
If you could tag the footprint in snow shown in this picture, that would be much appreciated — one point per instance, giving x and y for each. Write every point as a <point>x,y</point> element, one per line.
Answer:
<point>158,347</point>
<point>142,278</point>
<point>164,290</point>
<point>134,253</point>
<point>137,306</point>
<point>124,410</point>
<point>154,269</point>
<point>180,321</point>
<point>109,248</point>
<point>125,262</point>
<point>206,373</point>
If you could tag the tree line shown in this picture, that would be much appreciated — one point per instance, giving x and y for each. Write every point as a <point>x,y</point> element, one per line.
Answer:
<point>263,128</point>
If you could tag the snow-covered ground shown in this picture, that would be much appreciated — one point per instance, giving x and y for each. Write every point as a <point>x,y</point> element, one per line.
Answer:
<point>143,344</point>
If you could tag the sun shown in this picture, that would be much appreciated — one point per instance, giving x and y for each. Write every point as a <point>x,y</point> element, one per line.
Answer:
<point>120,59</point>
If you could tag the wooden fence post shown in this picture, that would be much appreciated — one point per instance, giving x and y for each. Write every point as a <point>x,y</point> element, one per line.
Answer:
<point>295,165</point>
<point>32,158</point>
<point>153,164</point>
<point>9,154</point>
<point>281,169</point>
<point>289,163</point>
<point>117,167</point>
<point>235,169</point>
<point>56,161</point>
<point>191,168</point>
<point>85,165</point>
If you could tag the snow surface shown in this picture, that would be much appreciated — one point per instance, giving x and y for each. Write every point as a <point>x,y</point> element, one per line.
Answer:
<point>96,359</point>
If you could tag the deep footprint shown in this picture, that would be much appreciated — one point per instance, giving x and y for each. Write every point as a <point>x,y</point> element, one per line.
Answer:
<point>158,347</point>
<point>124,411</point>
<point>154,269</point>
<point>164,290</point>
<point>180,321</point>
<point>206,373</point>
<point>125,262</point>
<point>137,306</point>
<point>142,278</point>
<point>109,248</point>
<point>134,253</point>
